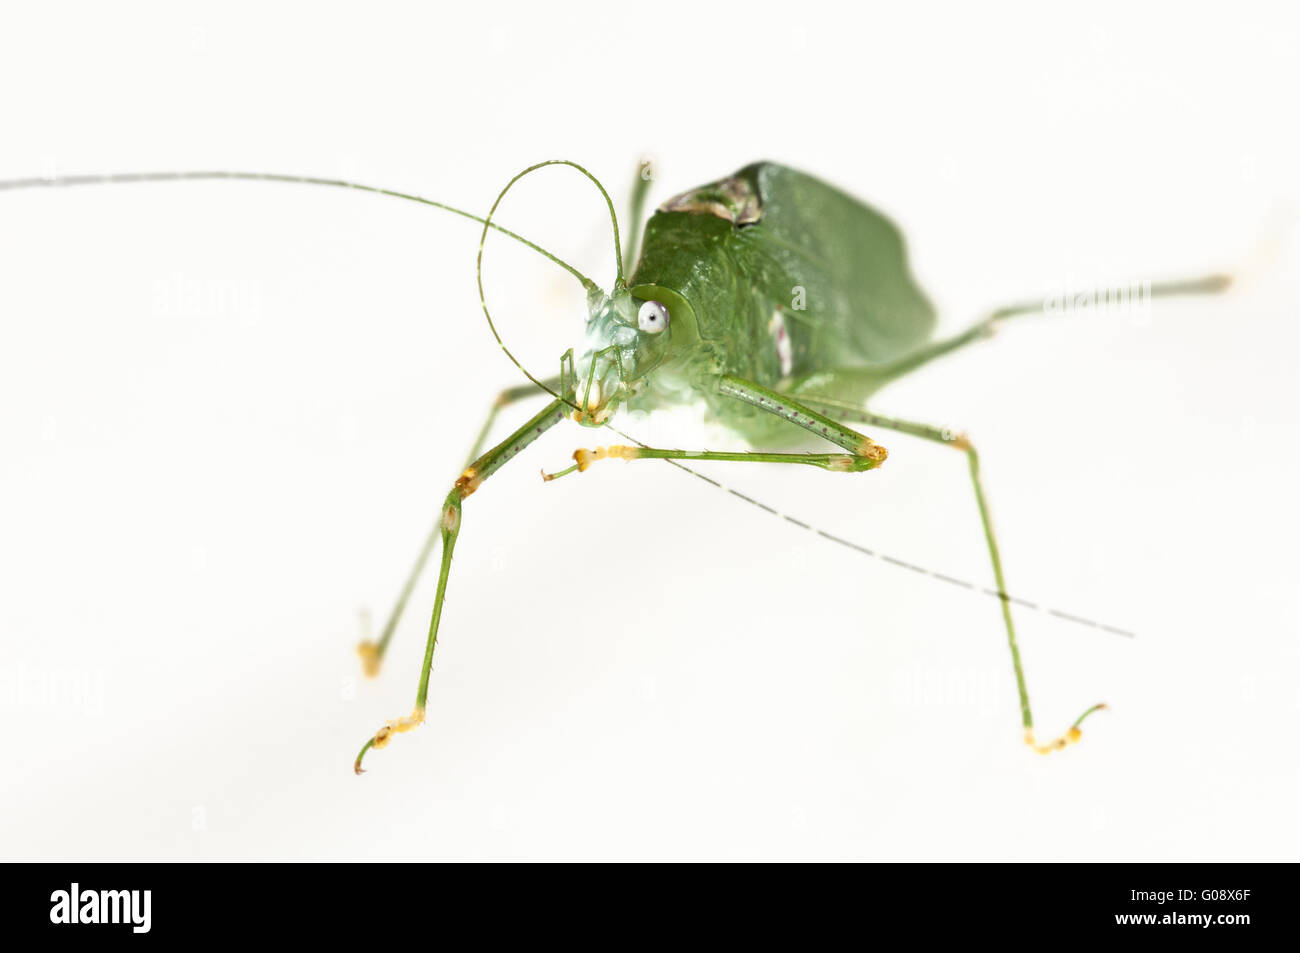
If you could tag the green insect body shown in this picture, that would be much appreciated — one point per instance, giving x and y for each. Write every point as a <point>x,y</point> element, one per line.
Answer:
<point>772,276</point>
<point>778,300</point>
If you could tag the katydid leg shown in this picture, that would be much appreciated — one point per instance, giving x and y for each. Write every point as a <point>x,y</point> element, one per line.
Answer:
<point>372,653</point>
<point>858,383</point>
<point>863,452</point>
<point>636,214</point>
<point>961,442</point>
<point>448,530</point>
<point>793,410</point>
<point>1208,284</point>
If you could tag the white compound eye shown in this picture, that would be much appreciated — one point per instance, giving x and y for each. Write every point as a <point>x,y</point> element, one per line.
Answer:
<point>652,318</point>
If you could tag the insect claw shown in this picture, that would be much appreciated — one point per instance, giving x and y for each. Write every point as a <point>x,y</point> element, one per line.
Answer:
<point>548,477</point>
<point>356,765</point>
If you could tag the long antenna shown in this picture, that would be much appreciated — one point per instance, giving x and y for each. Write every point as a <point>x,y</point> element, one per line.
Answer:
<point>591,286</point>
<point>121,178</point>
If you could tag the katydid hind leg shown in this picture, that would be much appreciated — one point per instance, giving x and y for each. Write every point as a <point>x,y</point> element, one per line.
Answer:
<point>856,384</point>
<point>960,442</point>
<point>645,174</point>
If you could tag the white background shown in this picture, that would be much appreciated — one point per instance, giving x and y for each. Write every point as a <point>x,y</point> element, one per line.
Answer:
<point>228,413</point>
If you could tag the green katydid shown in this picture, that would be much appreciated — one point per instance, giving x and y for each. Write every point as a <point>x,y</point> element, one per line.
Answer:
<point>769,295</point>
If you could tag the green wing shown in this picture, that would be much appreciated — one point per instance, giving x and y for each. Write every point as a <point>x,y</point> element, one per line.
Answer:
<point>861,304</point>
<point>771,248</point>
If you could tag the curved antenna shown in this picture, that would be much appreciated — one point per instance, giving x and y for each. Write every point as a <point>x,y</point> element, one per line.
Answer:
<point>591,286</point>
<point>63,181</point>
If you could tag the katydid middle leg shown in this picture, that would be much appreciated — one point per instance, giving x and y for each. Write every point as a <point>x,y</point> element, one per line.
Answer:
<point>372,653</point>
<point>863,452</point>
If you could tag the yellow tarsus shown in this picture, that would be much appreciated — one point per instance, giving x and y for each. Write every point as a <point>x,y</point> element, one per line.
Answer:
<point>1071,736</point>
<point>370,660</point>
<point>585,458</point>
<point>1057,744</point>
<point>385,734</point>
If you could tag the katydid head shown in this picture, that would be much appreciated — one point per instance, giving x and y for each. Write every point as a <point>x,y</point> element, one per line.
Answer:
<point>628,336</point>
<point>629,331</point>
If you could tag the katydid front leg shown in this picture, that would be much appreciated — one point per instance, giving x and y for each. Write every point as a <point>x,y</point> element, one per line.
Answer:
<point>449,529</point>
<point>372,653</point>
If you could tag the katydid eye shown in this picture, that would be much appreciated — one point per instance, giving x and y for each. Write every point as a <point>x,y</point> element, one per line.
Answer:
<point>652,318</point>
